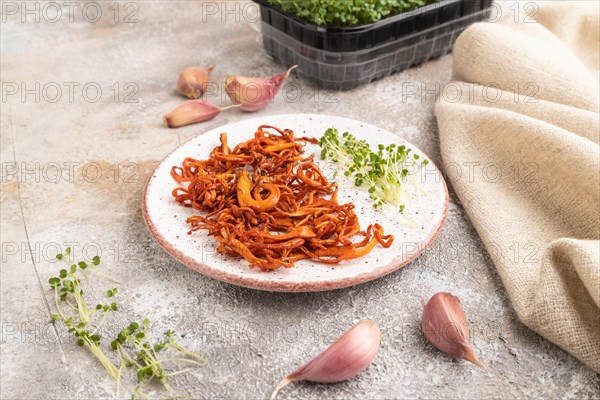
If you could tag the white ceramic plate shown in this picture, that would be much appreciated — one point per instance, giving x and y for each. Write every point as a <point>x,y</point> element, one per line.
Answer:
<point>166,219</point>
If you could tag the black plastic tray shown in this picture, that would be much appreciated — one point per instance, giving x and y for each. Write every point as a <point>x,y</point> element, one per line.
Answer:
<point>370,35</point>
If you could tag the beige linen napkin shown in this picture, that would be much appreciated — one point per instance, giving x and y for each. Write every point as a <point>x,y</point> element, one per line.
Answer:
<point>520,133</point>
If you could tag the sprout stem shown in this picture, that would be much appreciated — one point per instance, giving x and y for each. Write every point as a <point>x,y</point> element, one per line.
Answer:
<point>58,309</point>
<point>113,372</point>
<point>182,371</point>
<point>99,323</point>
<point>119,379</point>
<point>176,359</point>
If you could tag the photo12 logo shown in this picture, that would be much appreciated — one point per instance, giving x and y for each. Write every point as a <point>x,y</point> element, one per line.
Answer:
<point>230,11</point>
<point>69,11</point>
<point>55,92</point>
<point>69,171</point>
<point>14,254</point>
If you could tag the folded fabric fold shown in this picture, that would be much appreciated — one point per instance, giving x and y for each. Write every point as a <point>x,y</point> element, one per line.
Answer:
<point>520,129</point>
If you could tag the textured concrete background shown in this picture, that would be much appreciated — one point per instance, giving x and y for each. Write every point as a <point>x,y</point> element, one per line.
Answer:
<point>66,150</point>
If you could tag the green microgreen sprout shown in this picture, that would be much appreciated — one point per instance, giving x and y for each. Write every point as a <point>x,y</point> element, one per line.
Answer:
<point>139,352</point>
<point>134,345</point>
<point>344,13</point>
<point>76,315</point>
<point>384,172</point>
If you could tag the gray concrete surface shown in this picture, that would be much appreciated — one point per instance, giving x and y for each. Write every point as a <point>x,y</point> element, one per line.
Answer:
<point>250,339</point>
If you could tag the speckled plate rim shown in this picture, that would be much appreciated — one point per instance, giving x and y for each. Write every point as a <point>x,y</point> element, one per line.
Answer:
<point>275,285</point>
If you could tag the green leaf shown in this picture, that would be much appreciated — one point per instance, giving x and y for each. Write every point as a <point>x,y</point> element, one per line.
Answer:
<point>59,256</point>
<point>68,250</point>
<point>158,347</point>
<point>82,264</point>
<point>62,273</point>
<point>96,260</point>
<point>73,268</point>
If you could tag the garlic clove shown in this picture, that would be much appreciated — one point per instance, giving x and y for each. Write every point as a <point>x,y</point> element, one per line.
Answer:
<point>192,81</point>
<point>193,111</point>
<point>354,351</point>
<point>445,326</point>
<point>254,94</point>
